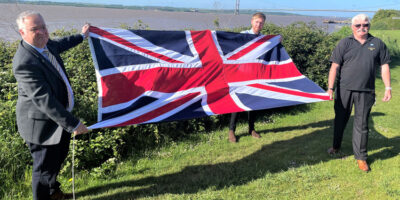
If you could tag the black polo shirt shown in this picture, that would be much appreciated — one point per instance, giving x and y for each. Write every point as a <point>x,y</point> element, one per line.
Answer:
<point>359,62</point>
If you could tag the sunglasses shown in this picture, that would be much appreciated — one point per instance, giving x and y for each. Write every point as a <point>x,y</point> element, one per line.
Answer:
<point>359,25</point>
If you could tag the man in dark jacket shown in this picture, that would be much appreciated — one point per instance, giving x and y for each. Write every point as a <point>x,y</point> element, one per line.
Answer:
<point>45,101</point>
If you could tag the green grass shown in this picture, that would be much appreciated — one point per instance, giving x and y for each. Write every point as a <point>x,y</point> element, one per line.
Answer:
<point>391,38</point>
<point>395,34</point>
<point>288,162</point>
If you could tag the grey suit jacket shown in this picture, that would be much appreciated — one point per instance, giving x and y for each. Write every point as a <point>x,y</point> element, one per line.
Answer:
<point>42,94</point>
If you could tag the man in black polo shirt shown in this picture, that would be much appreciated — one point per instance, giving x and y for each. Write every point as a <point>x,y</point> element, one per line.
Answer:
<point>357,58</point>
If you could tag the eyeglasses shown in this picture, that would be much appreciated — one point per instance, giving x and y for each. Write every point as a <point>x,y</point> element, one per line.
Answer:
<point>359,25</point>
<point>38,28</point>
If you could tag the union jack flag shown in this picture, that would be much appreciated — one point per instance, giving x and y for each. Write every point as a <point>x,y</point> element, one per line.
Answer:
<point>148,76</point>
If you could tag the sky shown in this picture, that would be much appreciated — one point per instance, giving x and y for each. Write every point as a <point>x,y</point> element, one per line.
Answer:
<point>265,5</point>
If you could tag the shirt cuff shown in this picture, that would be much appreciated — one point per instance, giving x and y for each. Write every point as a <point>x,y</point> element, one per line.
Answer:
<point>76,127</point>
<point>83,36</point>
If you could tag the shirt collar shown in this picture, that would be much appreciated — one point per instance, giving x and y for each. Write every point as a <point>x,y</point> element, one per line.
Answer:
<point>252,32</point>
<point>369,37</point>
<point>40,50</point>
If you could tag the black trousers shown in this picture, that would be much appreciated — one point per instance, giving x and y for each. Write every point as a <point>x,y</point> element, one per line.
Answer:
<point>251,116</point>
<point>363,102</point>
<point>47,161</point>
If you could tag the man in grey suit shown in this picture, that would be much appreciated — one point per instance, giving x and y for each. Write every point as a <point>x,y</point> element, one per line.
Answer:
<point>45,101</point>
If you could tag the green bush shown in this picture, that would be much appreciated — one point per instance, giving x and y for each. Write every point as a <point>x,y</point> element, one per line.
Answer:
<point>308,46</point>
<point>345,31</point>
<point>14,155</point>
<point>384,20</point>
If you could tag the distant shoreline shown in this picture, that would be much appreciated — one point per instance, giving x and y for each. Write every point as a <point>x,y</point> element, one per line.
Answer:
<point>150,8</point>
<point>69,17</point>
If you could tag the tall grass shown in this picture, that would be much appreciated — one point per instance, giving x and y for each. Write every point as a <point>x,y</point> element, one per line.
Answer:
<point>10,149</point>
<point>391,39</point>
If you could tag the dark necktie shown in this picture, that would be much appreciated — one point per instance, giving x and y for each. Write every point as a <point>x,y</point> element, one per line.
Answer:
<point>57,66</point>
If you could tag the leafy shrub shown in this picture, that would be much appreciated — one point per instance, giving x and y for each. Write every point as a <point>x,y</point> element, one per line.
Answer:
<point>385,20</point>
<point>105,169</point>
<point>345,31</point>
<point>14,155</point>
<point>308,46</point>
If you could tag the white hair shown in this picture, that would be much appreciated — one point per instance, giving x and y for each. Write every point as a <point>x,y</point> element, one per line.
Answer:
<point>21,17</point>
<point>361,17</point>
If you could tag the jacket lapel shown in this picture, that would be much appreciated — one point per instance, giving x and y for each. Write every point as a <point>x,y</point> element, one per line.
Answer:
<point>42,59</point>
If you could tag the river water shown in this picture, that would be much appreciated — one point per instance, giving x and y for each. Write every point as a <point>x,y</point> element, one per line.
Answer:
<point>69,17</point>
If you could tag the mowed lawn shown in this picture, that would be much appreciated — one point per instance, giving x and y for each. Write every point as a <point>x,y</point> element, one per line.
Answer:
<point>288,162</point>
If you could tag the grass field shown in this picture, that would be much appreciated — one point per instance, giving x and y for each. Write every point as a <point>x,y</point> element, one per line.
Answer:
<point>384,34</point>
<point>391,38</point>
<point>288,162</point>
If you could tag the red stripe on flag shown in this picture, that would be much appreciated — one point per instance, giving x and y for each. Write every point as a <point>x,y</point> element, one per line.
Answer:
<point>291,92</point>
<point>126,43</point>
<point>218,98</point>
<point>254,71</point>
<point>251,47</point>
<point>117,88</point>
<point>126,86</point>
<point>160,111</point>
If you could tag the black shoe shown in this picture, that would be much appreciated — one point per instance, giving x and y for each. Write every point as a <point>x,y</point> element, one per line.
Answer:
<point>333,151</point>
<point>59,195</point>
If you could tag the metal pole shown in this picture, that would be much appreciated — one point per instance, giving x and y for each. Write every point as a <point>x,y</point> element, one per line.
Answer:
<point>237,7</point>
